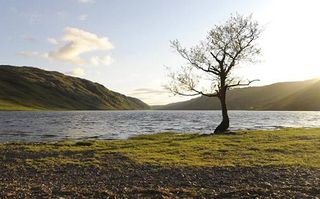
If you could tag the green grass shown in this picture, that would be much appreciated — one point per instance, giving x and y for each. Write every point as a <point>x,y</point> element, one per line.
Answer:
<point>286,147</point>
<point>9,106</point>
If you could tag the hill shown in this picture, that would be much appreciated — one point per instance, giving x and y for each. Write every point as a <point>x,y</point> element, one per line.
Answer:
<point>301,95</point>
<point>28,88</point>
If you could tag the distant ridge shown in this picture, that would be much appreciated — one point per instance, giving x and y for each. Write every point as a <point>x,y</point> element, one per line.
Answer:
<point>299,96</point>
<point>29,88</point>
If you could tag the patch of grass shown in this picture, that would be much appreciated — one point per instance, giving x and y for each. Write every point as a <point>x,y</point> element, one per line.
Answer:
<point>84,143</point>
<point>9,106</point>
<point>62,159</point>
<point>285,147</point>
<point>56,161</point>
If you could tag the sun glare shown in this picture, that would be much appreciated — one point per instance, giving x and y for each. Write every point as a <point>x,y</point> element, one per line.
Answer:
<point>291,41</point>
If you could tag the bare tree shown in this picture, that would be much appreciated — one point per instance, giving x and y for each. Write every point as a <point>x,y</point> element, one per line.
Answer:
<point>210,64</point>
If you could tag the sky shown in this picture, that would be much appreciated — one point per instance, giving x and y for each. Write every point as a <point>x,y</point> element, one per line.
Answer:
<point>125,45</point>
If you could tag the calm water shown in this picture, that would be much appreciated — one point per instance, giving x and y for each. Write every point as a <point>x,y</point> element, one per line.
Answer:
<point>49,126</point>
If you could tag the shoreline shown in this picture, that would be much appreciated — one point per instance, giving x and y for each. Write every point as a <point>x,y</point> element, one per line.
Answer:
<point>96,138</point>
<point>277,164</point>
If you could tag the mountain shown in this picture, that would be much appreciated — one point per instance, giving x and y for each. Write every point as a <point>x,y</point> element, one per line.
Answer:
<point>301,95</point>
<point>28,88</point>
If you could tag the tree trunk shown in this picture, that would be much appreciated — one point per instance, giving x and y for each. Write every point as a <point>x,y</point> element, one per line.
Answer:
<point>224,125</point>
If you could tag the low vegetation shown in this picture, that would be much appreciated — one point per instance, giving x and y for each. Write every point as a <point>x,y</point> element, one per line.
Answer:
<point>286,147</point>
<point>256,164</point>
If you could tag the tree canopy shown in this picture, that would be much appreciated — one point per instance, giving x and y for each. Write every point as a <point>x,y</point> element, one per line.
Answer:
<point>210,64</point>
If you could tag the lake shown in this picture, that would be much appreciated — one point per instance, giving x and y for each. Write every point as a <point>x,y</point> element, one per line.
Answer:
<point>39,126</point>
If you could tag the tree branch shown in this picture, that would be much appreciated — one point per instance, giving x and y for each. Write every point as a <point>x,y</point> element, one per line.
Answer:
<point>206,94</point>
<point>186,55</point>
<point>215,57</point>
<point>242,84</point>
<point>196,93</point>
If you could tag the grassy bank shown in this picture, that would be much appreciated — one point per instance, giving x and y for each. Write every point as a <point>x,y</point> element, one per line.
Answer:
<point>286,147</point>
<point>9,106</point>
<point>255,164</point>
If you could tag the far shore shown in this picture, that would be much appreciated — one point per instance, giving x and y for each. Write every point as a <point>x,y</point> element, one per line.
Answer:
<point>278,164</point>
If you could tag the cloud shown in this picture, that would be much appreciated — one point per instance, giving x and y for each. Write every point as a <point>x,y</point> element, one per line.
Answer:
<point>156,96</point>
<point>83,17</point>
<point>76,42</point>
<point>145,91</point>
<point>32,54</point>
<point>79,42</point>
<point>28,53</point>
<point>77,72</point>
<point>85,1</point>
<point>106,60</point>
<point>52,41</point>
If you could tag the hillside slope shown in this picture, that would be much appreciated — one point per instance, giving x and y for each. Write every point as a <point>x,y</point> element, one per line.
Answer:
<point>24,88</point>
<point>302,95</point>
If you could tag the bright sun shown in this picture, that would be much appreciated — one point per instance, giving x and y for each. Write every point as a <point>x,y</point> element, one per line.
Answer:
<point>290,43</point>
